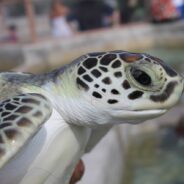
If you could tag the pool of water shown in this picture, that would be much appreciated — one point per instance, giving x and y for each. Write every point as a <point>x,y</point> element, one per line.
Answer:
<point>156,158</point>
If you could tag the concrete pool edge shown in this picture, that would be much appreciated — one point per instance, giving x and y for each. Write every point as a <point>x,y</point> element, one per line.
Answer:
<point>50,54</point>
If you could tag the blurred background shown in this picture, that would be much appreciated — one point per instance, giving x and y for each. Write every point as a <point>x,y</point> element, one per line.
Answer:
<point>40,35</point>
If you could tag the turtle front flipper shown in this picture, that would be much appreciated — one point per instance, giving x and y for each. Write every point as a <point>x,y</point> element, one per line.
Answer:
<point>20,118</point>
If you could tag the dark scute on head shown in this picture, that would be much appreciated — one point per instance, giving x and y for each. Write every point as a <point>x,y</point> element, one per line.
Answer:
<point>24,122</point>
<point>116,64</point>
<point>126,84</point>
<point>96,73</point>
<point>130,57</point>
<point>38,114</point>
<point>118,74</point>
<point>24,109</point>
<point>97,95</point>
<point>10,118</point>
<point>81,70</point>
<point>166,94</point>
<point>106,80</point>
<point>16,99</point>
<point>112,101</point>
<point>104,90</point>
<point>90,63</point>
<point>148,60</point>
<point>10,107</point>
<point>115,92</point>
<point>87,78</point>
<point>30,100</point>
<point>166,67</point>
<point>107,59</point>
<point>135,95</point>
<point>95,54</point>
<point>1,139</point>
<point>5,114</point>
<point>96,86</point>
<point>103,69</point>
<point>82,84</point>
<point>11,134</point>
<point>4,125</point>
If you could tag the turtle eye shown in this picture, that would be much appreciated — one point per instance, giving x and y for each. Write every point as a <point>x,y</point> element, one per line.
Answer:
<point>141,77</point>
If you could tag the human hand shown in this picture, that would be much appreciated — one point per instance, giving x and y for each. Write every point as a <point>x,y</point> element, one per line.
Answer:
<point>78,173</point>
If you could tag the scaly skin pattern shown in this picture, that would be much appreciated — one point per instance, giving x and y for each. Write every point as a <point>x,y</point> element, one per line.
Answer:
<point>93,93</point>
<point>114,87</point>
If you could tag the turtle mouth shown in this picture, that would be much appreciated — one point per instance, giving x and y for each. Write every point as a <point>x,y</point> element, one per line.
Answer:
<point>138,115</point>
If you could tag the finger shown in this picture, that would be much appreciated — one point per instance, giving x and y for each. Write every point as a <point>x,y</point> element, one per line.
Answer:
<point>78,172</point>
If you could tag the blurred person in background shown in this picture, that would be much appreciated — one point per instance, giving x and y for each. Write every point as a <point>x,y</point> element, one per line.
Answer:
<point>163,11</point>
<point>127,8</point>
<point>91,14</point>
<point>11,35</point>
<point>59,24</point>
<point>180,7</point>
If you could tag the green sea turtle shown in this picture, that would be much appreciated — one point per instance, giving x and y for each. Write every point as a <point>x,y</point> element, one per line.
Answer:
<point>49,121</point>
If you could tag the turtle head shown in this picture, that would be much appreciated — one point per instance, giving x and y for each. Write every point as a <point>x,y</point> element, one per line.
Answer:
<point>127,87</point>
